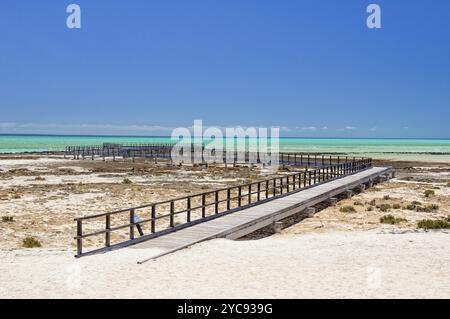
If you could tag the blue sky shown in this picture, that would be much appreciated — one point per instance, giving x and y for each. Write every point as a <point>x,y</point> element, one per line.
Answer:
<point>143,67</point>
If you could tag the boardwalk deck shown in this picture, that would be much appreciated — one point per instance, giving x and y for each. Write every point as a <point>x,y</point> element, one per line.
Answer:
<point>248,220</point>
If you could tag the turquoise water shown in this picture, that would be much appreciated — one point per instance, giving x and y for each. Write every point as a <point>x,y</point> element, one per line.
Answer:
<point>437,150</point>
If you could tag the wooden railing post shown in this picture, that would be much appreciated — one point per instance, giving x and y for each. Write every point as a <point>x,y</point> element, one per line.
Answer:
<point>131,224</point>
<point>216,200</point>
<point>304,178</point>
<point>228,198</point>
<point>259,191</point>
<point>153,216</point>
<point>108,229</point>
<point>274,187</point>
<point>79,237</point>
<point>172,210</point>
<point>239,195</point>
<point>203,205</point>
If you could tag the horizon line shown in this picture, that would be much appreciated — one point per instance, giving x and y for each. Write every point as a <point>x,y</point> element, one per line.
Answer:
<point>281,137</point>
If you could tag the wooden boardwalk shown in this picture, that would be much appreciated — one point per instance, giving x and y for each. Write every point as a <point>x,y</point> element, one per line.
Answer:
<point>243,222</point>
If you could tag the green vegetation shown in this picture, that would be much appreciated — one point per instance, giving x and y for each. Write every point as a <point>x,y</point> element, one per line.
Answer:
<point>433,224</point>
<point>347,209</point>
<point>429,193</point>
<point>384,207</point>
<point>389,219</point>
<point>386,197</point>
<point>413,205</point>
<point>31,242</point>
<point>126,180</point>
<point>396,206</point>
<point>427,209</point>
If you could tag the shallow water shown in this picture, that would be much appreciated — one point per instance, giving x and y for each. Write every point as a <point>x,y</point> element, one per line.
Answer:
<point>436,150</point>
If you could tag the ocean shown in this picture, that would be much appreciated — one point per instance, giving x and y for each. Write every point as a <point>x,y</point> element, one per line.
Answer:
<point>435,150</point>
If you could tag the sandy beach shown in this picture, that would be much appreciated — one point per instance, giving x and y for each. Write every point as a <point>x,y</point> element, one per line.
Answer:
<point>353,264</point>
<point>336,254</point>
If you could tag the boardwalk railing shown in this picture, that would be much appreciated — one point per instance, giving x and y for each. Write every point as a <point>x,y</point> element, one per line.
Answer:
<point>159,150</point>
<point>154,150</point>
<point>117,228</point>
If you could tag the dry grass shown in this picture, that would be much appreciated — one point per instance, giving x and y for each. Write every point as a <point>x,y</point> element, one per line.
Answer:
<point>127,181</point>
<point>384,207</point>
<point>429,193</point>
<point>347,209</point>
<point>7,219</point>
<point>30,242</point>
<point>389,219</point>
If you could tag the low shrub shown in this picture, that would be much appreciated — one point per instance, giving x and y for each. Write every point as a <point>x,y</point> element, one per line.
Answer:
<point>7,219</point>
<point>384,207</point>
<point>386,197</point>
<point>347,209</point>
<point>39,178</point>
<point>396,206</point>
<point>126,180</point>
<point>433,206</point>
<point>413,205</point>
<point>358,203</point>
<point>427,209</point>
<point>429,193</point>
<point>389,219</point>
<point>31,242</point>
<point>433,224</point>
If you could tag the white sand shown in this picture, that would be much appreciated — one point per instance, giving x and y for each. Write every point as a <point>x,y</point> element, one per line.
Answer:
<point>330,265</point>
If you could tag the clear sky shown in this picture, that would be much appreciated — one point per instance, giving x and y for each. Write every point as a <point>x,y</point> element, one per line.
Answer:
<point>142,67</point>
